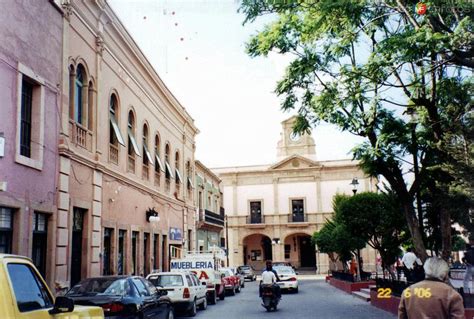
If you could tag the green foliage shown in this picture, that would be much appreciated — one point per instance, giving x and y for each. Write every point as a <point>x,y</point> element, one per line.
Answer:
<point>361,65</point>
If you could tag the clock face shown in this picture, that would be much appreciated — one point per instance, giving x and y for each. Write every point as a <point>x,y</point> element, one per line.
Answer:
<point>295,137</point>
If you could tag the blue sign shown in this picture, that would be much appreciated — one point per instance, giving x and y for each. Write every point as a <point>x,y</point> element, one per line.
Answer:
<point>176,234</point>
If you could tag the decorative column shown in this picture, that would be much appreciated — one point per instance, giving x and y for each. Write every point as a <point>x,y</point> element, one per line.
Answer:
<point>62,222</point>
<point>96,242</point>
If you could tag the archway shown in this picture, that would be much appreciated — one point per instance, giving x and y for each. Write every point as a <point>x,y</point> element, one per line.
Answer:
<point>300,251</point>
<point>257,249</point>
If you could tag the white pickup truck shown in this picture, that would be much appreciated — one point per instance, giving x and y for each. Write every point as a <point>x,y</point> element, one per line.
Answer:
<point>206,267</point>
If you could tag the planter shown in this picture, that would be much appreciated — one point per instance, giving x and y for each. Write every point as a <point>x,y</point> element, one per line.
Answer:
<point>388,304</point>
<point>348,286</point>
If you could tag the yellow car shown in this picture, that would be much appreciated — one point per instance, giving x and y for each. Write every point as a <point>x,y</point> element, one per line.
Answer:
<point>24,294</point>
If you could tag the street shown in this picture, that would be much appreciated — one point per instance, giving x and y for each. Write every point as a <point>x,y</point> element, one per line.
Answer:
<point>315,299</point>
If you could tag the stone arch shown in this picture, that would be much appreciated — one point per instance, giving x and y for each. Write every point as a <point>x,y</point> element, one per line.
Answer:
<point>257,247</point>
<point>299,250</point>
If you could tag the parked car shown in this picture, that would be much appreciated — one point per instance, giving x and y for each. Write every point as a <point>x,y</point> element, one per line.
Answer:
<point>248,272</point>
<point>288,278</point>
<point>123,296</point>
<point>24,294</point>
<point>231,282</point>
<point>240,275</point>
<point>183,288</point>
<point>283,263</point>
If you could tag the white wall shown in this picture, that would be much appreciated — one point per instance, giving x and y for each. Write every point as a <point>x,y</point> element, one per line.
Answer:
<point>228,200</point>
<point>255,192</point>
<point>331,188</point>
<point>305,190</point>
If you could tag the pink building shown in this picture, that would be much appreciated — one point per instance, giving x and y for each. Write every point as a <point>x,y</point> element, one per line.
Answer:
<point>30,79</point>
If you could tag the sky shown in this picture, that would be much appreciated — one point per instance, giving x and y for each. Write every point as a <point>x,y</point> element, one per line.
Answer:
<point>198,49</point>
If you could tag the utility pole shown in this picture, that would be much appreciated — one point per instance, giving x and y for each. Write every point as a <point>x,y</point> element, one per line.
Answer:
<point>227,238</point>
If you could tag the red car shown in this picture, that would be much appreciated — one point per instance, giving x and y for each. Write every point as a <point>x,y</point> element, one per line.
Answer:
<point>232,282</point>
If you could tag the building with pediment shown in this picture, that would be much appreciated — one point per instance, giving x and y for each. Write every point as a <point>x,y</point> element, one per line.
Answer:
<point>273,210</point>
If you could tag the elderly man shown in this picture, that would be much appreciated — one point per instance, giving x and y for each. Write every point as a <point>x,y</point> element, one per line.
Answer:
<point>432,298</point>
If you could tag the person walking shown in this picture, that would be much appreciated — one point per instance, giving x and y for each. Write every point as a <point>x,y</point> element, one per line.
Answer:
<point>409,260</point>
<point>468,260</point>
<point>432,298</point>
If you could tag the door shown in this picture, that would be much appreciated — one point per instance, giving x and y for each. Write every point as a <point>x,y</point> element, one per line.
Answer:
<point>40,236</point>
<point>76,245</point>
<point>307,252</point>
<point>107,252</point>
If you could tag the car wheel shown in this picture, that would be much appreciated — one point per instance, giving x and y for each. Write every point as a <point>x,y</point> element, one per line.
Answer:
<point>203,305</point>
<point>243,284</point>
<point>170,314</point>
<point>237,289</point>
<point>213,298</point>
<point>296,290</point>
<point>222,295</point>
<point>192,312</point>
<point>232,292</point>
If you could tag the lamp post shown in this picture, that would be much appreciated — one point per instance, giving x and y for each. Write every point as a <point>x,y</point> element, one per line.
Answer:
<point>413,123</point>
<point>227,238</point>
<point>355,184</point>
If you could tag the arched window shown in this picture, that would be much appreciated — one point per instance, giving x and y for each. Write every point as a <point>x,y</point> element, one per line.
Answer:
<point>168,174</point>
<point>72,79</point>
<point>158,164</point>
<point>147,159</point>
<point>189,175</point>
<point>78,95</point>
<point>90,106</point>
<point>115,134</point>
<point>132,143</point>
<point>179,179</point>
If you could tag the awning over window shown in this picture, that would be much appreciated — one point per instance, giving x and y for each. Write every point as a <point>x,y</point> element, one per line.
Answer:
<point>178,177</point>
<point>117,133</point>
<point>168,170</point>
<point>190,183</point>
<point>148,155</point>
<point>134,143</point>
<point>158,163</point>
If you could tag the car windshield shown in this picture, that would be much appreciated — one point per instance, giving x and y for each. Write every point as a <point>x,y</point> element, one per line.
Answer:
<point>167,280</point>
<point>227,273</point>
<point>100,286</point>
<point>284,270</point>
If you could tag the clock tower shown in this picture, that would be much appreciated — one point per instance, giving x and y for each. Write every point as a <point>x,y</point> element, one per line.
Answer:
<point>294,144</point>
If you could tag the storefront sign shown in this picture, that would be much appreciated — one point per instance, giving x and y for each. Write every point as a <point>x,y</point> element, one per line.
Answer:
<point>176,234</point>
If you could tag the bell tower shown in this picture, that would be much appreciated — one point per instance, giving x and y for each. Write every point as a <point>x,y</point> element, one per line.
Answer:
<point>293,144</point>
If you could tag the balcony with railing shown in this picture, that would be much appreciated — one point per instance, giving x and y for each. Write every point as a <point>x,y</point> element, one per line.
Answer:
<point>145,172</point>
<point>211,218</point>
<point>131,164</point>
<point>256,219</point>
<point>297,218</point>
<point>80,135</point>
<point>113,154</point>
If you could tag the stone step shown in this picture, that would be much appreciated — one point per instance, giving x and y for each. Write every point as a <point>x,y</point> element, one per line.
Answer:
<point>361,295</point>
<point>372,286</point>
<point>365,290</point>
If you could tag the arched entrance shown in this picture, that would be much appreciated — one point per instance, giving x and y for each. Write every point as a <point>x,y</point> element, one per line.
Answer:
<point>300,251</point>
<point>257,249</point>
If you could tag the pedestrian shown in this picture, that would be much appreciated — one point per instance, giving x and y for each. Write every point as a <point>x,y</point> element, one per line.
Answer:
<point>432,298</point>
<point>468,260</point>
<point>408,261</point>
<point>353,267</point>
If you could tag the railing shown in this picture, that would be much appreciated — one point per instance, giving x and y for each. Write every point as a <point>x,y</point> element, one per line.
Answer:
<point>255,219</point>
<point>297,218</point>
<point>145,172</point>
<point>157,178</point>
<point>131,164</point>
<point>222,211</point>
<point>113,154</point>
<point>210,217</point>
<point>81,136</point>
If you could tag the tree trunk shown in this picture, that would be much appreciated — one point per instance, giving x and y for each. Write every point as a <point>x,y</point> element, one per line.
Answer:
<point>412,223</point>
<point>445,227</point>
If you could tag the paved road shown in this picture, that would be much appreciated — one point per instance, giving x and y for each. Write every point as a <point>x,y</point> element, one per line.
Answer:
<point>316,299</point>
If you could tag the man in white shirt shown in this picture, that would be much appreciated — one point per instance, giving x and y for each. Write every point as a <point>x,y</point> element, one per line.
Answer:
<point>268,277</point>
<point>409,260</point>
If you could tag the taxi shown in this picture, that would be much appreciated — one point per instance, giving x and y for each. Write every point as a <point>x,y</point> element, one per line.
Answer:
<point>26,295</point>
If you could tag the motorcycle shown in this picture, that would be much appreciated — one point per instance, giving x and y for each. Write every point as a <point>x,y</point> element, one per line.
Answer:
<point>269,298</point>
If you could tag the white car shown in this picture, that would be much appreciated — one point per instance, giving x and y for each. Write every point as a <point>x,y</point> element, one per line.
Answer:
<point>288,278</point>
<point>183,288</point>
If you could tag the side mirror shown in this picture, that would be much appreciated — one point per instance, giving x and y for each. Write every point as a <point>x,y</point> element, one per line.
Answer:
<point>61,305</point>
<point>203,283</point>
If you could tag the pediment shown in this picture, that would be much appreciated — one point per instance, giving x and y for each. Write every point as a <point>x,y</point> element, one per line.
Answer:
<point>295,162</point>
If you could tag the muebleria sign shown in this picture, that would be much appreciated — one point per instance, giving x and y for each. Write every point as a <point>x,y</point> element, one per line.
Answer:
<point>191,264</point>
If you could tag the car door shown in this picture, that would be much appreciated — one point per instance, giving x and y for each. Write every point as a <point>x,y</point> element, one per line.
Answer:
<point>149,302</point>
<point>200,288</point>
<point>161,307</point>
<point>31,297</point>
<point>191,286</point>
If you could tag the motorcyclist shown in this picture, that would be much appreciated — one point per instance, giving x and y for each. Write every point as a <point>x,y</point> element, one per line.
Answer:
<point>270,277</point>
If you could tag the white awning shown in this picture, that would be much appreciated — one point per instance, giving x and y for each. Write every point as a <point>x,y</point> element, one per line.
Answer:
<point>168,170</point>
<point>178,177</point>
<point>117,133</point>
<point>190,183</point>
<point>148,155</point>
<point>134,143</point>
<point>158,163</point>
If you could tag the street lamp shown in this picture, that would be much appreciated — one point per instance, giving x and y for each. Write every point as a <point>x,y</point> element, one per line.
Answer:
<point>355,184</point>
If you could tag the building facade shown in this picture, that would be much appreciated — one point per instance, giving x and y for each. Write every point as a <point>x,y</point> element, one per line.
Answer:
<point>210,213</point>
<point>273,210</point>
<point>126,148</point>
<point>30,78</point>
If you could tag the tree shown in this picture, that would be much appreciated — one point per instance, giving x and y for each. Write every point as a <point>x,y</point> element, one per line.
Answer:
<point>375,218</point>
<point>361,65</point>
